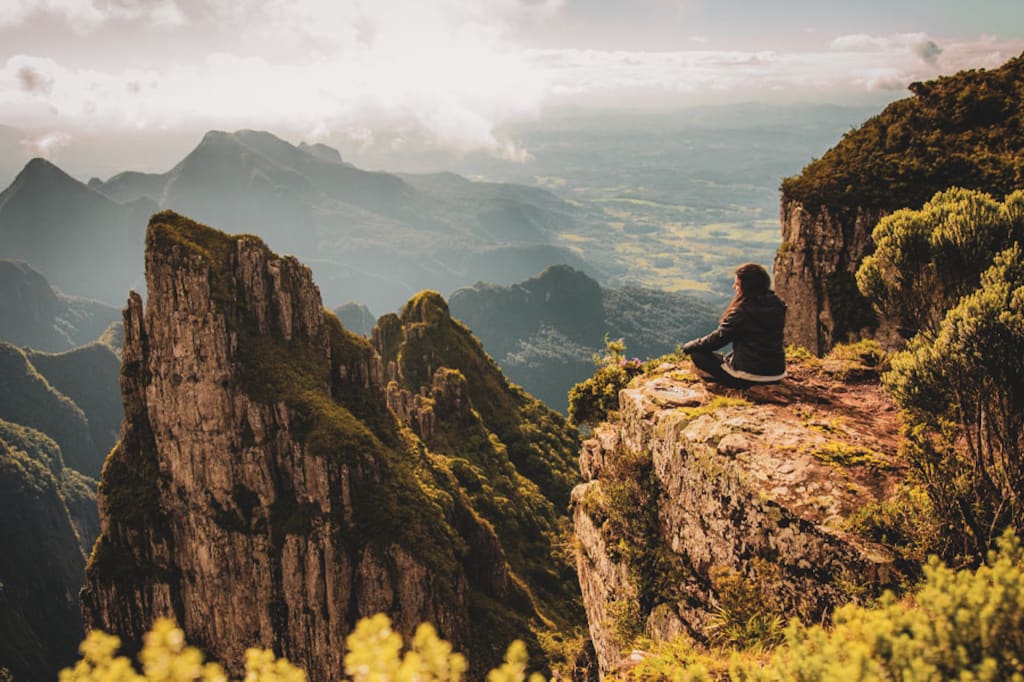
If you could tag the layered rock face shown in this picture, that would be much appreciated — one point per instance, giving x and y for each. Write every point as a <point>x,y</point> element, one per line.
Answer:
<point>692,490</point>
<point>263,494</point>
<point>822,247</point>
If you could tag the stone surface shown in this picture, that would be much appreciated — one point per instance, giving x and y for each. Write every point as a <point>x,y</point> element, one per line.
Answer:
<point>737,476</point>
<point>822,247</point>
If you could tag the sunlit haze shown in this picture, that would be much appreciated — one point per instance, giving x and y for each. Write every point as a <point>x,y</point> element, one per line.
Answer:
<point>452,74</point>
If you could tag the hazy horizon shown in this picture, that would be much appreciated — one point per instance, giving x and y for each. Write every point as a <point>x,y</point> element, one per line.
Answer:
<point>392,80</point>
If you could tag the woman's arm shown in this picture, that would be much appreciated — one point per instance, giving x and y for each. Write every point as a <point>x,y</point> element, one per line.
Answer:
<point>726,332</point>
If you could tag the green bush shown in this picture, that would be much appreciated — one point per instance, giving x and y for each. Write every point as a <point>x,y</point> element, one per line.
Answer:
<point>962,391</point>
<point>960,625</point>
<point>904,521</point>
<point>926,260</point>
<point>590,401</point>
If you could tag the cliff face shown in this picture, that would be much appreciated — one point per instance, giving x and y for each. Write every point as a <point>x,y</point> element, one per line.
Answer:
<point>822,247</point>
<point>692,491</point>
<point>262,493</point>
<point>955,131</point>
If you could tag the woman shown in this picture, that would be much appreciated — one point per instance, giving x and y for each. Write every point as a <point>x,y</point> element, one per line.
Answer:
<point>754,324</point>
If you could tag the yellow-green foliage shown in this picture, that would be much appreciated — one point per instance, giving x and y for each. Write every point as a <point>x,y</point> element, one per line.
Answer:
<point>799,354</point>
<point>749,610</point>
<point>926,259</point>
<point>960,390</point>
<point>678,660</point>
<point>841,453</point>
<point>374,653</point>
<point>591,400</point>
<point>717,403</point>
<point>960,625</point>
<point>904,521</point>
<point>961,129</point>
<point>867,352</point>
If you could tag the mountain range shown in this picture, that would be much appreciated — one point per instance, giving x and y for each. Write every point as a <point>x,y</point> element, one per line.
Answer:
<point>34,314</point>
<point>372,237</point>
<point>544,332</point>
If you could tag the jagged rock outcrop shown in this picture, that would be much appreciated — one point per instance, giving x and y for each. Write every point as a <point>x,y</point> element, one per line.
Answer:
<point>263,494</point>
<point>822,247</point>
<point>691,484</point>
<point>956,131</point>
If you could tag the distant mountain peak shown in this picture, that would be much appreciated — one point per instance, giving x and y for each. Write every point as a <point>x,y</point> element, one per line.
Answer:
<point>42,169</point>
<point>322,151</point>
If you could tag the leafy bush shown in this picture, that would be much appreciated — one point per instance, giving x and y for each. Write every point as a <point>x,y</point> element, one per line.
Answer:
<point>965,625</point>
<point>926,260</point>
<point>962,391</point>
<point>905,521</point>
<point>374,654</point>
<point>749,611</point>
<point>952,273</point>
<point>590,401</point>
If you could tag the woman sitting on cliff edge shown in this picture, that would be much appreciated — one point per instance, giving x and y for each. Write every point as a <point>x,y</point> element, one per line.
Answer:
<point>754,324</point>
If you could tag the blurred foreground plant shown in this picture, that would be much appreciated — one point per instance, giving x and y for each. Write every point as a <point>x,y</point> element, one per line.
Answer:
<point>374,654</point>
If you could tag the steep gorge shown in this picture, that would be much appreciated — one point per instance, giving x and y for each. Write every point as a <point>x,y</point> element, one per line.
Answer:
<point>277,477</point>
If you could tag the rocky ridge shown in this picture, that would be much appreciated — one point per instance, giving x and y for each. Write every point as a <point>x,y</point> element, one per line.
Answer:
<point>822,247</point>
<point>962,130</point>
<point>264,494</point>
<point>690,488</point>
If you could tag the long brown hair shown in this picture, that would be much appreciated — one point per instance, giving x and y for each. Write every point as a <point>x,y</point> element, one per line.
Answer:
<point>754,282</point>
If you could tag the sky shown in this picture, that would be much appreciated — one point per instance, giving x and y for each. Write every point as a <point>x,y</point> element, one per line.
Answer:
<point>452,74</point>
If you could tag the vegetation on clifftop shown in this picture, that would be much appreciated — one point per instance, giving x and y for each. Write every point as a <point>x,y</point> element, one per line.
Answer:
<point>953,274</point>
<point>965,130</point>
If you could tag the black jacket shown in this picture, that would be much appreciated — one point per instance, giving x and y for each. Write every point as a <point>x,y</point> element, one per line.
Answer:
<point>755,329</point>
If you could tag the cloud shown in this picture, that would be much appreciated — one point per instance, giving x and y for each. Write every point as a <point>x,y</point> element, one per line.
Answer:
<point>918,44</point>
<point>86,16</point>
<point>34,82</point>
<point>442,74</point>
<point>928,51</point>
<point>46,144</point>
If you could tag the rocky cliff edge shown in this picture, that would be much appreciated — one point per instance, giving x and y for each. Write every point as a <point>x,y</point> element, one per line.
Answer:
<point>693,491</point>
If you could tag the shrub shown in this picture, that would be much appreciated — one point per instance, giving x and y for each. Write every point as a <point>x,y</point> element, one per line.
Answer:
<point>926,260</point>
<point>591,400</point>
<point>374,654</point>
<point>962,391</point>
<point>965,625</point>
